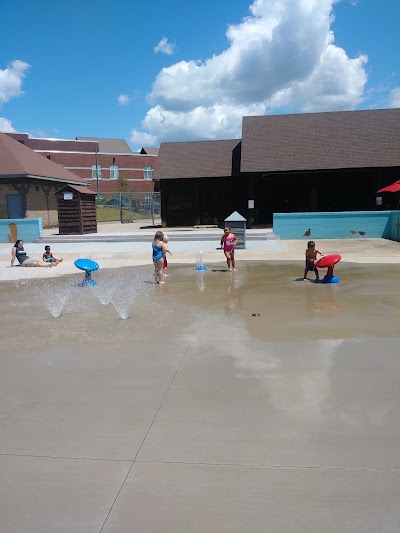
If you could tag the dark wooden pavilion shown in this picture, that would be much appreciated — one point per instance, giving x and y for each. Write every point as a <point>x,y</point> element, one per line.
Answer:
<point>332,161</point>
<point>199,181</point>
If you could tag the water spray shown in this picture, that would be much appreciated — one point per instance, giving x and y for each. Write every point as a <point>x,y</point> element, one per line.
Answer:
<point>199,261</point>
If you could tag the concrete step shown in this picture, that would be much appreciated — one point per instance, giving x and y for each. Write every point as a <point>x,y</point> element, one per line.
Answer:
<point>146,237</point>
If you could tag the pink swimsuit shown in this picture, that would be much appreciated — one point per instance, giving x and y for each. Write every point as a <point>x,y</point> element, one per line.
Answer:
<point>229,242</point>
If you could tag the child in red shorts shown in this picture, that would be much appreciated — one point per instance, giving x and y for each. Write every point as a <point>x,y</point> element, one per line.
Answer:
<point>166,241</point>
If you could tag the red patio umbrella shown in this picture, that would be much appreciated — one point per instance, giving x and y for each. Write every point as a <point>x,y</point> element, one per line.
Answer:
<point>395,187</point>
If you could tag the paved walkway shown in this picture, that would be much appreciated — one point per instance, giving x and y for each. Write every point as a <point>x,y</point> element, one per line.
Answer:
<point>137,252</point>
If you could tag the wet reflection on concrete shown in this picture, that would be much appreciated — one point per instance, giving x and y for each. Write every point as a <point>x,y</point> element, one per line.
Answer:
<point>212,370</point>
<point>365,303</point>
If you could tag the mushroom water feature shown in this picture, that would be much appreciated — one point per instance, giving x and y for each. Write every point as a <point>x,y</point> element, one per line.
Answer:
<point>329,261</point>
<point>88,266</point>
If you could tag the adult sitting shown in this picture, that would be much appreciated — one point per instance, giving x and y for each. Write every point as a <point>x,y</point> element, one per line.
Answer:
<point>18,252</point>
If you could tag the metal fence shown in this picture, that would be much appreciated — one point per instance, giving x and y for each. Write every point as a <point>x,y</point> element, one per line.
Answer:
<point>128,207</point>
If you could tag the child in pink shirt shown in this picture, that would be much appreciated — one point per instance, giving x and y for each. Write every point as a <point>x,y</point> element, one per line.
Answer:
<point>228,243</point>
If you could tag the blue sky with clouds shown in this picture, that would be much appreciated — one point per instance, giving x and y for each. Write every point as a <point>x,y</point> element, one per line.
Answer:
<point>160,71</point>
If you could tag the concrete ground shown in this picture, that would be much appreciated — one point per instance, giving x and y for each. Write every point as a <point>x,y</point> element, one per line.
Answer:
<point>117,254</point>
<point>227,402</point>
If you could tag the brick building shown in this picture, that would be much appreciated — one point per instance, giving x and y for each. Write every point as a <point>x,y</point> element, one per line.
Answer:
<point>99,161</point>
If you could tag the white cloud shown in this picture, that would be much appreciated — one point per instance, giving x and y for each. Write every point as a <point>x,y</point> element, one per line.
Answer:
<point>5,125</point>
<point>39,133</point>
<point>281,56</point>
<point>394,100</point>
<point>11,80</point>
<point>124,99</point>
<point>217,121</point>
<point>337,83</point>
<point>164,47</point>
<point>139,138</point>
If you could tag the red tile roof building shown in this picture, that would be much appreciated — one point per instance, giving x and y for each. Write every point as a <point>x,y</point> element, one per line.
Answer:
<point>114,158</point>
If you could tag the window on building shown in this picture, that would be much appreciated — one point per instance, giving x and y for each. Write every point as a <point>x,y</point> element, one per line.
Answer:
<point>114,172</point>
<point>95,171</point>
<point>148,173</point>
<point>21,141</point>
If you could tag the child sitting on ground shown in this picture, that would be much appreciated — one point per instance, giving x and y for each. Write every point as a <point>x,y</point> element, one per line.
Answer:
<point>311,260</point>
<point>48,256</point>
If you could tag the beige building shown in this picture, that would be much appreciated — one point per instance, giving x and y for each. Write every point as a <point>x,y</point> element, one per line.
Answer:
<point>28,183</point>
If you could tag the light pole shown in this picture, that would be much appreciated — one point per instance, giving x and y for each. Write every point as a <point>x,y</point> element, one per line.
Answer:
<point>97,174</point>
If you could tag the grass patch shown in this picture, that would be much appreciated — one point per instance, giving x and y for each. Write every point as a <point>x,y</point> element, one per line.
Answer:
<point>112,214</point>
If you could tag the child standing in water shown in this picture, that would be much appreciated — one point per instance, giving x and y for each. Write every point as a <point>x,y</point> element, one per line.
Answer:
<point>159,251</point>
<point>311,260</point>
<point>228,243</point>
<point>166,241</point>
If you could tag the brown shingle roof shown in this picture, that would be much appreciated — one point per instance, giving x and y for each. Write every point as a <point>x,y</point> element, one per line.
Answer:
<point>109,146</point>
<point>82,190</point>
<point>341,139</point>
<point>17,161</point>
<point>196,159</point>
<point>149,151</point>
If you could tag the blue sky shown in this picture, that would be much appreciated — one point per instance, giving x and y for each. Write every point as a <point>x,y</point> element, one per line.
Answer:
<point>159,71</point>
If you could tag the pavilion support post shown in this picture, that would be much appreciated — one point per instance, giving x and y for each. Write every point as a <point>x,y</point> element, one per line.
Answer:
<point>196,201</point>
<point>251,191</point>
<point>23,189</point>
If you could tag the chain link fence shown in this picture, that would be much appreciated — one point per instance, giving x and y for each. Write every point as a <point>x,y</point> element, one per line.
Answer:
<point>128,207</point>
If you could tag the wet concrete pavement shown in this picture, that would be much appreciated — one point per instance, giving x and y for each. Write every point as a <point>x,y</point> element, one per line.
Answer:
<point>195,415</point>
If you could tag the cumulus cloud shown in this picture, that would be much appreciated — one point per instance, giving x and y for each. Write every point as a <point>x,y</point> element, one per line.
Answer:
<point>394,100</point>
<point>337,83</point>
<point>11,80</point>
<point>5,125</point>
<point>280,56</point>
<point>140,138</point>
<point>164,47</point>
<point>217,121</point>
<point>39,133</point>
<point>124,99</point>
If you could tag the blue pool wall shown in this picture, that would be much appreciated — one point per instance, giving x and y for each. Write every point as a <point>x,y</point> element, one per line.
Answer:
<point>27,229</point>
<point>342,225</point>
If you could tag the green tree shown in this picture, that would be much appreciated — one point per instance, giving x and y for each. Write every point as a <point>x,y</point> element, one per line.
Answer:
<point>122,184</point>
